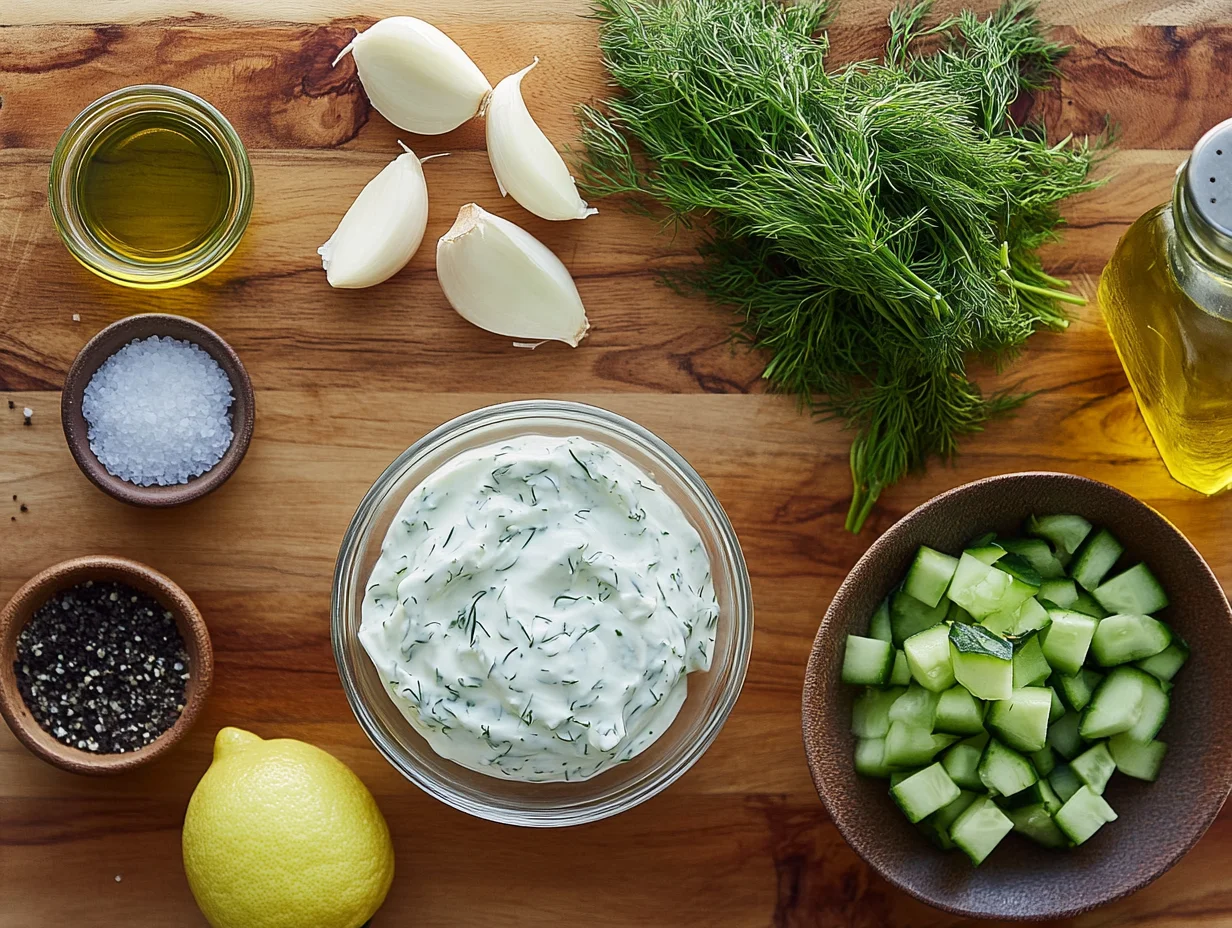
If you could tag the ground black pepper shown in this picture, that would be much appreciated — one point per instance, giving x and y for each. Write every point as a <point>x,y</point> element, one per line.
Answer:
<point>102,667</point>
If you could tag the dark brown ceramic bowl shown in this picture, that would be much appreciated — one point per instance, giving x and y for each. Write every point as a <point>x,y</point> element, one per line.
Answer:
<point>1158,822</point>
<point>108,342</point>
<point>35,593</point>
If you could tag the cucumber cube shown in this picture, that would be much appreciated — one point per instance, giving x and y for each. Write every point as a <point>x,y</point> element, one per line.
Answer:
<point>937,826</point>
<point>930,575</point>
<point>928,658</point>
<point>980,829</point>
<point>870,716</point>
<point>962,763</point>
<point>922,794</point>
<point>870,758</point>
<point>1022,720</point>
<point>1165,664</point>
<point>1004,771</point>
<point>1076,689</point>
<point>1035,821</point>
<point>1036,552</point>
<point>1133,758</point>
<point>1066,532</point>
<point>910,746</point>
<point>959,712</point>
<point>879,627</point>
<point>983,590</point>
<point>1095,767</point>
<point>1120,639</point>
<point>1062,593</point>
<point>983,662</point>
<point>1063,736</point>
<point>1044,762</point>
<point>1067,639</point>
<point>901,674</point>
<point>1136,591</point>
<point>1030,665</point>
<point>1098,555</point>
<point>1083,814</point>
<point>908,615</point>
<point>916,706</point>
<point>1155,706</point>
<point>1064,782</point>
<point>1116,705</point>
<point>867,661</point>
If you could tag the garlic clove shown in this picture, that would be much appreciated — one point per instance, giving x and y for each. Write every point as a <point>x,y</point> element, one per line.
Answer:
<point>526,163</point>
<point>416,76</point>
<point>501,278</point>
<point>383,228</point>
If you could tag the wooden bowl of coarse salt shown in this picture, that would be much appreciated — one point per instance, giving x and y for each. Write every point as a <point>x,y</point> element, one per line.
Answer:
<point>157,410</point>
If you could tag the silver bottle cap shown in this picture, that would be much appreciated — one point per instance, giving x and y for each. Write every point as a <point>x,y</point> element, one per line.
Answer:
<point>1208,191</point>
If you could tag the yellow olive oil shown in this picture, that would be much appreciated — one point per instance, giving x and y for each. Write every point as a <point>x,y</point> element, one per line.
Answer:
<point>154,188</point>
<point>1167,298</point>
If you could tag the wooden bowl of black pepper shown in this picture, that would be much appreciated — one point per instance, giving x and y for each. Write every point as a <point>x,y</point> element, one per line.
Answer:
<point>104,664</point>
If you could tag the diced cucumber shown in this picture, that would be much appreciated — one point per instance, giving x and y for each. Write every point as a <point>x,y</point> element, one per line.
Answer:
<point>879,627</point>
<point>870,716</point>
<point>1063,735</point>
<point>1024,797</point>
<point>898,776</point>
<point>1076,689</point>
<point>937,826</point>
<point>930,575</point>
<point>958,712</point>
<point>870,758</point>
<point>1064,782</point>
<point>1086,604</point>
<point>1003,770</point>
<point>988,553</point>
<point>1038,553</point>
<point>1020,569</point>
<point>908,616</point>
<point>867,661</point>
<point>1120,639</point>
<point>924,793</point>
<point>1066,532</point>
<point>1022,720</point>
<point>1133,758</point>
<point>916,707</point>
<point>978,740</point>
<point>1136,590</point>
<point>1098,555</point>
<point>1095,767</point>
<point>1026,617</point>
<point>901,674</point>
<point>1052,801</point>
<point>1035,821</point>
<point>962,763</point>
<point>982,661</point>
<point>1061,593</point>
<point>1044,761</point>
<point>1030,666</point>
<point>1155,706</point>
<point>983,590</point>
<point>1165,664</point>
<point>928,658</point>
<point>911,746</point>
<point>1057,709</point>
<point>1083,814</point>
<point>1067,639</point>
<point>1116,704</point>
<point>957,613</point>
<point>980,829</point>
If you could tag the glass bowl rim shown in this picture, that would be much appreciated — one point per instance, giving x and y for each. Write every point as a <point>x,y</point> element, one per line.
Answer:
<point>94,119</point>
<point>741,611</point>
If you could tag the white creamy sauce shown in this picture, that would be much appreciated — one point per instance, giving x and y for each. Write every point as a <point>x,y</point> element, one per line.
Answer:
<point>536,608</point>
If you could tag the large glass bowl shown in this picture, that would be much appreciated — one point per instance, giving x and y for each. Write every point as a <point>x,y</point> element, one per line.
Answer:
<point>711,695</point>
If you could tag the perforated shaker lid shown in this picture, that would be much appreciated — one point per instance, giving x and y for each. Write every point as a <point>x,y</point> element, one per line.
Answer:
<point>1208,186</point>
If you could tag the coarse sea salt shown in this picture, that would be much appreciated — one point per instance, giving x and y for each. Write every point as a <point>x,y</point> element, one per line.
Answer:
<point>158,412</point>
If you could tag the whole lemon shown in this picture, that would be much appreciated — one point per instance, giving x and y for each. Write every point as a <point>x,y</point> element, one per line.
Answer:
<point>280,834</point>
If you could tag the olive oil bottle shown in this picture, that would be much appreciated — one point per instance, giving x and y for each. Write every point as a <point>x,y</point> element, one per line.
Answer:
<point>1166,296</point>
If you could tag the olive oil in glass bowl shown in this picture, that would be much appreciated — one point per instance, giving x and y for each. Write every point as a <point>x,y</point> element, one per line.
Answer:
<point>150,187</point>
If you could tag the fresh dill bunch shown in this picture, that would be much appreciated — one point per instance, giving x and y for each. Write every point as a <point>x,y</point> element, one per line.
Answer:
<point>876,224</point>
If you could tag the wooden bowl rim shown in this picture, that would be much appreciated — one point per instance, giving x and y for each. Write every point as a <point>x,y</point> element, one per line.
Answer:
<point>813,697</point>
<point>106,343</point>
<point>37,591</point>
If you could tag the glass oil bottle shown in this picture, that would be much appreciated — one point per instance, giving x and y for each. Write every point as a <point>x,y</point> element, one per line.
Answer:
<point>1166,296</point>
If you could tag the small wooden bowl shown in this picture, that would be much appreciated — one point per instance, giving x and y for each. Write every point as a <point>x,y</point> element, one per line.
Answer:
<point>108,342</point>
<point>1158,822</point>
<point>39,590</point>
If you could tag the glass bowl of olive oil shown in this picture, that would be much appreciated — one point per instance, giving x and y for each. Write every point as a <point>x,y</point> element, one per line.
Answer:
<point>150,187</point>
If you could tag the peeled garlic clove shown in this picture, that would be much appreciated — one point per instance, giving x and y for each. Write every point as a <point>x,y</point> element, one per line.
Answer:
<point>526,163</point>
<point>383,228</point>
<point>416,76</point>
<point>501,278</point>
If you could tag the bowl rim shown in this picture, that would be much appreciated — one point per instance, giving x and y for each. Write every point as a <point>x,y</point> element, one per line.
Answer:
<point>742,611</point>
<point>813,695</point>
<point>107,342</point>
<point>38,590</point>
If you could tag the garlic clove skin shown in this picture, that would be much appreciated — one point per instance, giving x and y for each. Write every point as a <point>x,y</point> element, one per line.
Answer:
<point>383,228</point>
<point>416,76</point>
<point>526,163</point>
<point>501,278</point>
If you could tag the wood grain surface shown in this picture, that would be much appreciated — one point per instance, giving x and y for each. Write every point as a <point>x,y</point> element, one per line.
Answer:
<point>346,380</point>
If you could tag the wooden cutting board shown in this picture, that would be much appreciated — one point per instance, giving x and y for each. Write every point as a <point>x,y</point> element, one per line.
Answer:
<point>346,380</point>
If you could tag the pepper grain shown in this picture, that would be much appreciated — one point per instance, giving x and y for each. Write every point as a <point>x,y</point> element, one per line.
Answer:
<point>102,668</point>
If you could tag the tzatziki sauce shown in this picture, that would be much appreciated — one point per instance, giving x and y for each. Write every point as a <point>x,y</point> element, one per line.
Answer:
<point>536,607</point>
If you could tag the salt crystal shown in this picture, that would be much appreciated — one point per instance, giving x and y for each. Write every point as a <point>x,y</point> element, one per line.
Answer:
<point>77,318</point>
<point>158,412</point>
<point>27,412</point>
